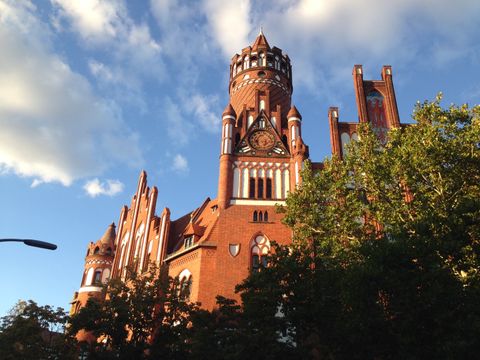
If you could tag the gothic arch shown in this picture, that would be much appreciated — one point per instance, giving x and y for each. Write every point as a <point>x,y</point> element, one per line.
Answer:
<point>259,249</point>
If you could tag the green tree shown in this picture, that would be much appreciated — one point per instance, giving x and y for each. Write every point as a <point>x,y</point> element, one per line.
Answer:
<point>31,331</point>
<point>384,262</point>
<point>135,308</point>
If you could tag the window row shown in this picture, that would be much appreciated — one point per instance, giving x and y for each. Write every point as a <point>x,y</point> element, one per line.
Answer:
<point>260,183</point>
<point>262,60</point>
<point>258,187</point>
<point>260,216</point>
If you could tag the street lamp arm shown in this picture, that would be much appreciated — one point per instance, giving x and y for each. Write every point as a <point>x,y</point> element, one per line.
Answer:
<point>34,243</point>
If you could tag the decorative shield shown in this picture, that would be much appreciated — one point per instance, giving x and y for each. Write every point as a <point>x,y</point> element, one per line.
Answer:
<point>234,249</point>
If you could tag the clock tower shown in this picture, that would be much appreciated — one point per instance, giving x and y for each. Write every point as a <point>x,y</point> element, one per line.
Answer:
<point>262,149</point>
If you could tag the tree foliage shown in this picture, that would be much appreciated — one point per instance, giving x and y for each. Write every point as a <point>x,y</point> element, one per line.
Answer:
<point>31,331</point>
<point>143,315</point>
<point>384,262</point>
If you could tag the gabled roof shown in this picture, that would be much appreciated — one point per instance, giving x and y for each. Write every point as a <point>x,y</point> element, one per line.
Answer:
<point>199,222</point>
<point>278,149</point>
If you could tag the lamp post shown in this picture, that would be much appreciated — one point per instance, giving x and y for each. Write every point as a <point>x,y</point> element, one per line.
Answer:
<point>34,243</point>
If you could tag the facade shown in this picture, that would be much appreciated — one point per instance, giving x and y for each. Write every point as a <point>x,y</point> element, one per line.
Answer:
<point>215,246</point>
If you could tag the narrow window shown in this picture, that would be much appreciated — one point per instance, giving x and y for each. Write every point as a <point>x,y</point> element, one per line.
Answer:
<point>255,263</point>
<point>265,216</point>
<point>97,250</point>
<point>255,216</point>
<point>98,277</point>
<point>188,242</point>
<point>260,216</point>
<point>252,188</point>
<point>269,188</point>
<point>237,139</point>
<point>185,288</point>
<point>262,104</point>
<point>260,188</point>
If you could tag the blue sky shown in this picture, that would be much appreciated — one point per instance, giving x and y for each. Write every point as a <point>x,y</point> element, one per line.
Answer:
<point>92,92</point>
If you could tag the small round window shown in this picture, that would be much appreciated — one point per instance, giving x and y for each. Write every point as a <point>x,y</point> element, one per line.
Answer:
<point>261,74</point>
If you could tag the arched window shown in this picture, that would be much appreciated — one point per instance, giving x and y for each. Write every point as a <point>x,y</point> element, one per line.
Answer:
<point>260,246</point>
<point>255,216</point>
<point>268,194</point>
<point>97,279</point>
<point>261,123</point>
<point>260,216</point>
<point>108,251</point>
<point>237,139</point>
<point>89,279</point>
<point>265,216</point>
<point>146,260</point>
<point>185,284</point>
<point>105,276</point>
<point>251,194</point>
<point>262,107</point>
<point>97,250</point>
<point>260,188</point>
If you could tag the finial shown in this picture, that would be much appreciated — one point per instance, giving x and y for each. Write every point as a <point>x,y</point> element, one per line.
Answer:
<point>261,30</point>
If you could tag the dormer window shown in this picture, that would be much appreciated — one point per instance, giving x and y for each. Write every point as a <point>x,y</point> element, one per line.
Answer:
<point>188,242</point>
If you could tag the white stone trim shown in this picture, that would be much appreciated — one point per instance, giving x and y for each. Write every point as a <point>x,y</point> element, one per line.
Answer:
<point>256,202</point>
<point>90,289</point>
<point>228,117</point>
<point>294,118</point>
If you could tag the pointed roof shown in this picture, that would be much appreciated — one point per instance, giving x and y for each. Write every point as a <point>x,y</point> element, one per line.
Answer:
<point>260,41</point>
<point>229,111</point>
<point>294,113</point>
<point>109,237</point>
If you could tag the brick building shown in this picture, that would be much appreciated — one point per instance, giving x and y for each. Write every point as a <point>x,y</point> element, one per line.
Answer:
<point>216,245</point>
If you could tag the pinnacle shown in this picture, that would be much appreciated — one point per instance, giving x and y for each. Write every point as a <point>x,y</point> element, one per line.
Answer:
<point>109,237</point>
<point>229,110</point>
<point>261,41</point>
<point>293,113</point>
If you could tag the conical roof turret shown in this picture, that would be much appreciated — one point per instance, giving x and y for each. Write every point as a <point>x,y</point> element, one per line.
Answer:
<point>293,113</point>
<point>108,238</point>
<point>229,111</point>
<point>260,42</point>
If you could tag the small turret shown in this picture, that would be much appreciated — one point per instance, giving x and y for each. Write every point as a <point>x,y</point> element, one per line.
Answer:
<point>98,266</point>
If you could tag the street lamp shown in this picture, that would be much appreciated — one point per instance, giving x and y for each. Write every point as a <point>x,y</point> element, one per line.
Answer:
<point>34,243</point>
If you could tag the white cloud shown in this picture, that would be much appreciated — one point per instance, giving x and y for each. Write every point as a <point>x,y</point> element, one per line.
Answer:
<point>229,23</point>
<point>205,110</point>
<point>94,20</point>
<point>95,187</point>
<point>107,25</point>
<point>180,164</point>
<point>53,126</point>
<point>319,33</point>
<point>178,129</point>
